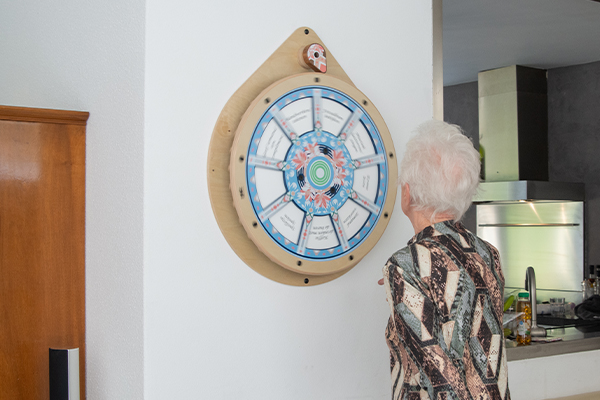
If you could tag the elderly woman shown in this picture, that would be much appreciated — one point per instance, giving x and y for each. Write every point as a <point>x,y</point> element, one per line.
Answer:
<point>445,288</point>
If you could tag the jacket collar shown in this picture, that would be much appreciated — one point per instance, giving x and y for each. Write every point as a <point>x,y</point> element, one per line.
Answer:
<point>440,228</point>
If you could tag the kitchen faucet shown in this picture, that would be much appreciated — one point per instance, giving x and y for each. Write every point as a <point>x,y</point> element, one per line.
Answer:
<point>530,287</point>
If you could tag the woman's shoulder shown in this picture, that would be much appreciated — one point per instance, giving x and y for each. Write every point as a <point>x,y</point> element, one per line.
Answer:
<point>401,256</point>
<point>402,260</point>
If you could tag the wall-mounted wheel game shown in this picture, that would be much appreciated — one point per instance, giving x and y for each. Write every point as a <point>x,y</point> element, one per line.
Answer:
<point>301,168</point>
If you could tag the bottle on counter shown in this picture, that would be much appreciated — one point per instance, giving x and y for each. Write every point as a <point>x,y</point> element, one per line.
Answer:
<point>524,320</point>
<point>590,283</point>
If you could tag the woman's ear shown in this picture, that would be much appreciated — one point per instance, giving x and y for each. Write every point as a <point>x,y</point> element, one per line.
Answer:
<point>405,198</point>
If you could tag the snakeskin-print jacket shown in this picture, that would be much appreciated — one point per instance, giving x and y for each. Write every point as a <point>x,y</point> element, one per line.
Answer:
<point>445,291</point>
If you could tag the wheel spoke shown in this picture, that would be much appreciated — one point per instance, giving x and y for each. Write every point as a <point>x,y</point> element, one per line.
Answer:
<point>339,230</point>
<point>308,219</point>
<point>368,161</point>
<point>351,124</point>
<point>274,207</point>
<point>372,207</point>
<point>266,162</point>
<point>317,109</point>
<point>284,123</point>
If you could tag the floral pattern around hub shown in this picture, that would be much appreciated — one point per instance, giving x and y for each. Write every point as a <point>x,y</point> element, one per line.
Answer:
<point>319,176</point>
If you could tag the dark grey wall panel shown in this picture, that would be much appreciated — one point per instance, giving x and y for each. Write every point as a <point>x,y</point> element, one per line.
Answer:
<point>461,108</point>
<point>574,139</point>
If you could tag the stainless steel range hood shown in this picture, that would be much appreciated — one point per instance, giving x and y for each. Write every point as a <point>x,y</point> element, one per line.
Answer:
<point>513,138</point>
<point>531,221</point>
<point>512,191</point>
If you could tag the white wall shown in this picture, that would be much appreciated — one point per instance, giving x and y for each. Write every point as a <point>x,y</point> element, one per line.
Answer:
<point>89,56</point>
<point>215,329</point>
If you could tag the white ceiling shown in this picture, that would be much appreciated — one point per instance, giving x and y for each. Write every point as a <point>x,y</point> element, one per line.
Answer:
<point>486,34</point>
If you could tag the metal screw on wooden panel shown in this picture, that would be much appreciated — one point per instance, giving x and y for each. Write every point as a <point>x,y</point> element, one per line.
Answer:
<point>306,31</point>
<point>267,100</point>
<point>241,192</point>
<point>306,280</point>
<point>241,158</point>
<point>365,102</point>
<point>385,215</point>
<point>391,155</point>
<point>254,224</point>
<point>351,258</point>
<point>317,79</point>
<point>299,263</point>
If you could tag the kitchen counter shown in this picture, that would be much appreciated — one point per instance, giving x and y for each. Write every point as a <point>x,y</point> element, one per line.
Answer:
<point>574,339</point>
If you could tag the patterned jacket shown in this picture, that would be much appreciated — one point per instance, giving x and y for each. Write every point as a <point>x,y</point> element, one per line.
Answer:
<point>445,291</point>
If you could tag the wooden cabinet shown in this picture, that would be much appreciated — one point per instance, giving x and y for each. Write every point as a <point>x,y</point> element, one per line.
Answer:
<point>42,245</point>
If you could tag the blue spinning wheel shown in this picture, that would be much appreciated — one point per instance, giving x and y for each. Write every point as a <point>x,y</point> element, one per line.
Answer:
<point>311,167</point>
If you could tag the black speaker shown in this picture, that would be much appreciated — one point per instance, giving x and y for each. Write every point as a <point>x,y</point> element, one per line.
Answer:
<point>64,374</point>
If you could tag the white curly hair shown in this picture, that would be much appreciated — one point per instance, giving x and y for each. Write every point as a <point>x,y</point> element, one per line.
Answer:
<point>441,167</point>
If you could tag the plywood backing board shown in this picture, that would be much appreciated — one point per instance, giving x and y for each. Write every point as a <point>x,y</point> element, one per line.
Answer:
<point>282,63</point>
